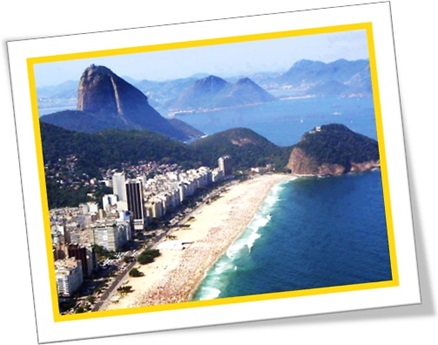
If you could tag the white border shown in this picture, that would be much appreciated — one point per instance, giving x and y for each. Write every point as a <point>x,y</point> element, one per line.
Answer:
<point>406,293</point>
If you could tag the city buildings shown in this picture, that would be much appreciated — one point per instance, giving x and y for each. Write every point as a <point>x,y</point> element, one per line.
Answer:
<point>119,180</point>
<point>86,255</point>
<point>136,202</point>
<point>69,276</point>
<point>135,198</point>
<point>225,165</point>
<point>109,201</point>
<point>111,234</point>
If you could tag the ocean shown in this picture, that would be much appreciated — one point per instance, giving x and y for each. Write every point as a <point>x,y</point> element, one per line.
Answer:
<point>309,232</point>
<point>284,122</point>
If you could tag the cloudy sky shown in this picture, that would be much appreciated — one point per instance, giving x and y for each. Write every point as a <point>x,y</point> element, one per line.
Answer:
<point>223,60</point>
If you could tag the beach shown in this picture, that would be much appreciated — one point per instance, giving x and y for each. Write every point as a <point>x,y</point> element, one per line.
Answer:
<point>192,249</point>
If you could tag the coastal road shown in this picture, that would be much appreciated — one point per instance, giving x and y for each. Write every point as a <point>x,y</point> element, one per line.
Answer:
<point>122,275</point>
<point>110,290</point>
<point>108,294</point>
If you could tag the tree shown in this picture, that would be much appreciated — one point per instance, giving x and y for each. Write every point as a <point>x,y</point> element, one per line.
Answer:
<point>80,310</point>
<point>148,256</point>
<point>123,290</point>
<point>135,273</point>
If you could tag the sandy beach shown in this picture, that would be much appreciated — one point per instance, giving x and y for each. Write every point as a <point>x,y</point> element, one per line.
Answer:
<point>174,276</point>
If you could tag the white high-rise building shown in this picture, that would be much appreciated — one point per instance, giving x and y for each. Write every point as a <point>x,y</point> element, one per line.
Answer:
<point>112,235</point>
<point>69,276</point>
<point>119,189</point>
<point>225,166</point>
<point>109,200</point>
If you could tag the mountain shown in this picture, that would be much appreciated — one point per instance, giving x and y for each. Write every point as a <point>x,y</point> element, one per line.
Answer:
<point>110,148</point>
<point>305,71</point>
<point>63,95</point>
<point>66,90</point>
<point>245,91</point>
<point>72,158</point>
<point>246,148</point>
<point>202,93</point>
<point>333,150</point>
<point>340,77</point>
<point>214,92</point>
<point>107,101</point>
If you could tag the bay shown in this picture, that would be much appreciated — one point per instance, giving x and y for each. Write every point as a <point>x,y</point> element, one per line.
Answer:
<point>283,122</point>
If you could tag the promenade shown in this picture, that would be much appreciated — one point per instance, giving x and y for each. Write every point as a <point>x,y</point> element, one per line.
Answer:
<point>175,275</point>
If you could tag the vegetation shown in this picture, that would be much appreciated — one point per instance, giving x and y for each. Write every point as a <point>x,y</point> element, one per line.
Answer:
<point>128,259</point>
<point>123,290</point>
<point>60,195</point>
<point>246,147</point>
<point>80,310</point>
<point>135,273</point>
<point>110,148</point>
<point>148,256</point>
<point>91,299</point>
<point>336,144</point>
<point>102,253</point>
<point>72,159</point>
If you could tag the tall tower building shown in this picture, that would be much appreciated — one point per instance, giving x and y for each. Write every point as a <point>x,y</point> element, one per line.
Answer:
<point>225,166</point>
<point>119,185</point>
<point>86,255</point>
<point>135,198</point>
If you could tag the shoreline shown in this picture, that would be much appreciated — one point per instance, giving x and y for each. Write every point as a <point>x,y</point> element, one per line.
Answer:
<point>176,274</point>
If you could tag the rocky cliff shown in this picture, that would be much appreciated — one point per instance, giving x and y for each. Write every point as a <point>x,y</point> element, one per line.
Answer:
<point>333,150</point>
<point>106,101</point>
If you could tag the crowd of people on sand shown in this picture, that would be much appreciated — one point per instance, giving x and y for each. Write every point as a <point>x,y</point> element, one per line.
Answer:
<point>180,282</point>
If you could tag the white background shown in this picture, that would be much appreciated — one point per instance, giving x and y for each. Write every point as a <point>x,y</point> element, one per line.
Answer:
<point>413,28</point>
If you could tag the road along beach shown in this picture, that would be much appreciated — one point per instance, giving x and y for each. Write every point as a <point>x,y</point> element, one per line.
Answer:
<point>174,276</point>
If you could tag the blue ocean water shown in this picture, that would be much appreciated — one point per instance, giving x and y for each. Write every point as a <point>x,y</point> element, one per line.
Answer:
<point>284,122</point>
<point>308,233</point>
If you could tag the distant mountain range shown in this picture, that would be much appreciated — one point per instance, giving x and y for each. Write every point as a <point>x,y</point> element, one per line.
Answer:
<point>342,78</point>
<point>214,92</point>
<point>106,101</point>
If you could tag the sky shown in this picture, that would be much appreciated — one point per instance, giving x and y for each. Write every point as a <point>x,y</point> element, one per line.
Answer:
<point>222,60</point>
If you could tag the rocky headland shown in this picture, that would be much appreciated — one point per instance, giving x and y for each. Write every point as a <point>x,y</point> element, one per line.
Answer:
<point>331,150</point>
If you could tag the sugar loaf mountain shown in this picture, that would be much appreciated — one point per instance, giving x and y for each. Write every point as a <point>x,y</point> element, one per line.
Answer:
<point>106,101</point>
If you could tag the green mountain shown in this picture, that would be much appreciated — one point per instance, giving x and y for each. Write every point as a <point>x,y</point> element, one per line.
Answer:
<point>73,158</point>
<point>246,148</point>
<point>110,148</point>
<point>333,150</point>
